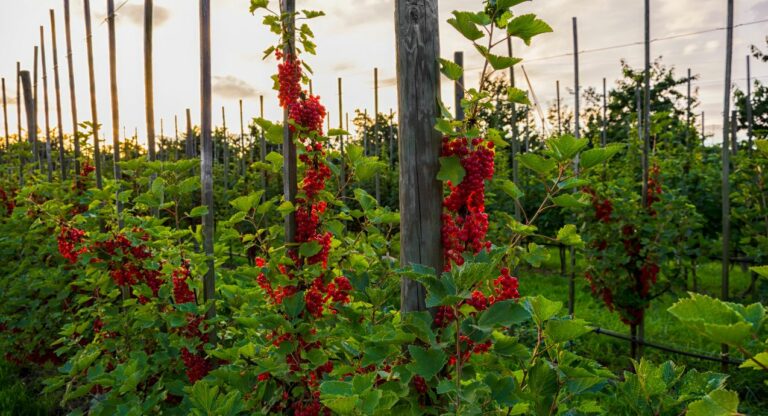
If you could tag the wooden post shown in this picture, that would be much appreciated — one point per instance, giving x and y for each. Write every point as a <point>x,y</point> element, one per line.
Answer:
<point>115,112</point>
<point>46,112</point>
<point>688,108</point>
<point>559,121</point>
<point>458,86</point>
<point>225,145</point>
<point>92,84</point>
<point>29,108</point>
<point>287,8</point>
<point>262,150</point>
<point>734,129</point>
<point>175,137</point>
<point>726,202</point>
<point>162,151</point>
<point>749,103</point>
<point>703,135</point>
<point>343,162</point>
<point>603,133</point>
<point>646,149</point>
<point>391,139</point>
<point>242,142</point>
<point>418,85</point>
<point>5,118</point>
<point>149,100</point>
<point>189,143</point>
<point>515,139</point>
<point>33,139</point>
<point>365,132</point>
<point>577,133</point>
<point>57,87</point>
<point>206,160</point>
<point>527,137</point>
<point>18,100</point>
<point>376,144</point>
<point>72,96</point>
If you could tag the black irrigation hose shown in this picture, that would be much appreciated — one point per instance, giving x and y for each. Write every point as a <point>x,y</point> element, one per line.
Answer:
<point>618,335</point>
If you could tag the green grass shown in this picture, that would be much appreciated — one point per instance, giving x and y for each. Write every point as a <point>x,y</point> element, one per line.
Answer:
<point>18,398</point>
<point>660,326</point>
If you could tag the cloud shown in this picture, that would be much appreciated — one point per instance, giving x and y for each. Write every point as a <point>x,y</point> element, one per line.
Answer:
<point>134,13</point>
<point>232,87</point>
<point>388,82</point>
<point>343,66</point>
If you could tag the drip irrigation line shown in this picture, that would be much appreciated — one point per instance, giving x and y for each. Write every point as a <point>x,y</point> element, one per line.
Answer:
<point>666,348</point>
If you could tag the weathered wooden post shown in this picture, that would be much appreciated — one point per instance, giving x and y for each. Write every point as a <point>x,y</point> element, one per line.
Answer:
<point>343,167</point>
<point>749,103</point>
<point>5,117</point>
<point>376,144</point>
<point>391,137</point>
<point>688,108</point>
<point>206,160</point>
<point>703,135</point>
<point>72,96</point>
<point>33,139</point>
<point>29,109</point>
<point>189,143</point>
<point>92,84</point>
<point>57,87</point>
<point>225,145</point>
<point>726,202</point>
<point>46,112</point>
<point>577,133</point>
<point>418,85</point>
<point>242,142</point>
<point>149,99</point>
<point>18,101</point>
<point>290,186</point>
<point>458,87</point>
<point>603,132</point>
<point>175,137</point>
<point>115,112</point>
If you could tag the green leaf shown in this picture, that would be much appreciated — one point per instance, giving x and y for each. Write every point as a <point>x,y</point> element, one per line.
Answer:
<point>758,362</point>
<point>714,319</point>
<point>309,248</point>
<point>518,96</point>
<point>337,132</point>
<point>542,309</point>
<point>536,255</point>
<point>537,163</point>
<point>285,208</point>
<point>499,62</point>
<point>596,156</point>
<point>276,159</point>
<point>504,313</point>
<point>716,403</point>
<point>526,27</point>
<point>451,170</point>
<point>506,4</point>
<point>503,389</point>
<point>560,331</point>
<point>569,201</point>
<point>451,69</point>
<point>274,134</point>
<point>569,236</point>
<point>566,147</point>
<point>510,188</point>
<point>198,211</point>
<point>294,304</point>
<point>761,271</point>
<point>762,146</point>
<point>258,4</point>
<point>462,21</point>
<point>426,363</point>
<point>367,202</point>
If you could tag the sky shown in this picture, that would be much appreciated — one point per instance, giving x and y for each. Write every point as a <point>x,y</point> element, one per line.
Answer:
<point>354,37</point>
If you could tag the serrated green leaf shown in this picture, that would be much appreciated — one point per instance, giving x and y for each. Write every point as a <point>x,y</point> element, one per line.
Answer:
<point>526,27</point>
<point>593,157</point>
<point>462,21</point>
<point>451,69</point>
<point>537,163</point>
<point>426,363</point>
<point>451,170</point>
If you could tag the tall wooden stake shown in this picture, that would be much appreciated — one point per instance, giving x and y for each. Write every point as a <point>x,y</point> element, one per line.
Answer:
<point>57,87</point>
<point>688,108</point>
<point>175,137</point>
<point>46,112</point>
<point>206,161</point>
<point>559,120</point>
<point>290,186</point>
<point>343,168</point>
<point>29,109</point>
<point>72,96</point>
<point>515,139</point>
<point>458,86</point>
<point>603,132</point>
<point>242,141</point>
<point>376,143</point>
<point>749,103</point>
<point>726,202</point>
<point>418,85</point>
<point>149,100</point>
<point>5,118</point>
<point>92,84</point>
<point>18,101</point>
<point>189,143</point>
<point>225,145</point>
<point>577,133</point>
<point>115,112</point>
<point>33,139</point>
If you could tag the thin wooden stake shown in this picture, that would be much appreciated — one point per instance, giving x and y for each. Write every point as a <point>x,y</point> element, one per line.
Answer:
<point>726,202</point>
<point>33,139</point>
<point>577,134</point>
<point>149,99</point>
<point>29,108</point>
<point>343,168</point>
<point>57,87</point>
<point>72,96</point>
<point>18,100</point>
<point>189,143</point>
<point>46,112</point>
<point>5,118</point>
<point>376,145</point>
<point>115,113</point>
<point>749,103</point>
<point>206,161</point>
<point>559,120</point>
<point>175,137</point>
<point>688,108</point>
<point>92,84</point>
<point>603,132</point>
<point>458,86</point>
<point>242,141</point>
<point>225,145</point>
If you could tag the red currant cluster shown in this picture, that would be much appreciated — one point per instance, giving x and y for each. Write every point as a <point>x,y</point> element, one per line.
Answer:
<point>69,239</point>
<point>127,262</point>
<point>308,230</point>
<point>465,222</point>
<point>8,202</point>
<point>419,384</point>
<point>181,292</point>
<point>196,365</point>
<point>289,78</point>
<point>603,208</point>
<point>654,188</point>
<point>308,113</point>
<point>505,288</point>
<point>469,347</point>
